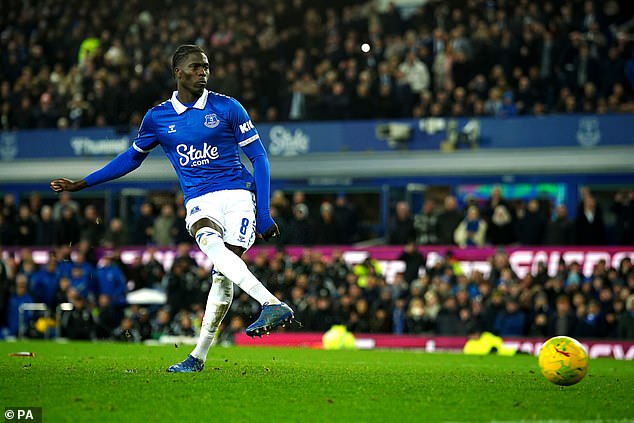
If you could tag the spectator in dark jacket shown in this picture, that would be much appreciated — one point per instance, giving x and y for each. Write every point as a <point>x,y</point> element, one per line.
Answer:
<point>78,323</point>
<point>327,229</point>
<point>589,225</point>
<point>448,221</point>
<point>511,321</point>
<point>559,231</point>
<point>300,228</point>
<point>531,225</point>
<point>401,225</point>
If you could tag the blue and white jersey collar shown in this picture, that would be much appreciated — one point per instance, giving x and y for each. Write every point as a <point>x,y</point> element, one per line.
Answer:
<point>180,108</point>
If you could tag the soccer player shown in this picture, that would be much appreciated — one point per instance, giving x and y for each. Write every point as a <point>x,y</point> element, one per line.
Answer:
<point>200,132</point>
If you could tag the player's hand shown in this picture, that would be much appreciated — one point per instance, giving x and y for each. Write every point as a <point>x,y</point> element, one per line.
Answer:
<point>265,226</point>
<point>272,232</point>
<point>63,184</point>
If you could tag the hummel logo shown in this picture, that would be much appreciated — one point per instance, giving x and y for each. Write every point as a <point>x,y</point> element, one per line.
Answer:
<point>172,129</point>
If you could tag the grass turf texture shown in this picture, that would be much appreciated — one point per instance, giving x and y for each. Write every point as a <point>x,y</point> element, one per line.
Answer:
<point>127,383</point>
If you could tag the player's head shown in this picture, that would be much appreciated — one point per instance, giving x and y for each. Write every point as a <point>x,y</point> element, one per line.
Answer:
<point>190,67</point>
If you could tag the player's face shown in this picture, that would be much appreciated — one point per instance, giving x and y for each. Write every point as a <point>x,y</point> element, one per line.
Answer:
<point>192,74</point>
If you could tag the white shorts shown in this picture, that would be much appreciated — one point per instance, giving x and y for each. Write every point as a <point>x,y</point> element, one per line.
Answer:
<point>232,210</point>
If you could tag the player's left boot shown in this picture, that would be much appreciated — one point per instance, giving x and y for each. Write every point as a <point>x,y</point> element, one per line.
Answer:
<point>271,316</point>
<point>190,365</point>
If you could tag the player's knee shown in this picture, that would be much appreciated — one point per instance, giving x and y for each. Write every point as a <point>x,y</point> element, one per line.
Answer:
<point>205,222</point>
<point>209,240</point>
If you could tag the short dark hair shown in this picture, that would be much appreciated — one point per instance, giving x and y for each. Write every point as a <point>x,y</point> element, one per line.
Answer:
<point>183,51</point>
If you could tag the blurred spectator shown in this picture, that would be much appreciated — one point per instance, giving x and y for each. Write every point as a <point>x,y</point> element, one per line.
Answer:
<point>44,282</point>
<point>144,324</point>
<point>163,225</point>
<point>426,224</point>
<point>153,270</point>
<point>79,322</point>
<point>91,226</point>
<point>448,220</point>
<point>26,226</point>
<point>178,231</point>
<point>500,219</point>
<point>63,293</point>
<point>5,292</point>
<point>448,319</point>
<point>471,231</point>
<point>64,201</point>
<point>590,321</point>
<point>589,225</point>
<point>346,216</point>
<point>161,324</point>
<point>117,235</point>
<point>414,261</point>
<point>563,321</point>
<point>127,331</point>
<point>180,284</point>
<point>531,225</point>
<point>418,321</point>
<point>107,317</point>
<point>46,227</point>
<point>415,73</point>
<point>623,209</point>
<point>327,229</point>
<point>511,321</point>
<point>68,227</point>
<point>111,282</point>
<point>20,297</point>
<point>401,225</point>
<point>182,325</point>
<point>626,323</point>
<point>300,227</point>
<point>559,230</point>
<point>144,225</point>
<point>136,275</point>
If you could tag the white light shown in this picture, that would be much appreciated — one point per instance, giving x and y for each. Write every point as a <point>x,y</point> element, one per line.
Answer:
<point>365,47</point>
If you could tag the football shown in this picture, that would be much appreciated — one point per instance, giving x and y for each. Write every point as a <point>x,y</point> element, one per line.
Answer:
<point>563,360</point>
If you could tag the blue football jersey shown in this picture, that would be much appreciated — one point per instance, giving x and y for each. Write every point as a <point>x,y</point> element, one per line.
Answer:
<point>202,142</point>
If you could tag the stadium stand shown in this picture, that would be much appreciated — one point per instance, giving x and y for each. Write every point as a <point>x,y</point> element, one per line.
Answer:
<point>69,64</point>
<point>72,64</point>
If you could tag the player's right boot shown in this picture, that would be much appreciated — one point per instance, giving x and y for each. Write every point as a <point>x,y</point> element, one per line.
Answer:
<point>271,316</point>
<point>190,365</point>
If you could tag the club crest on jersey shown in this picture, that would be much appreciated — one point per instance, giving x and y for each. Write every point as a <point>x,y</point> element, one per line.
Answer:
<point>211,121</point>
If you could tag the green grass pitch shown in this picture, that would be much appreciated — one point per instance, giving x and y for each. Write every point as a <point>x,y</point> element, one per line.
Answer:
<point>107,382</point>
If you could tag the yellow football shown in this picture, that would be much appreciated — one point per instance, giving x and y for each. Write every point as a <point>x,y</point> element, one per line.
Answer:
<point>563,360</point>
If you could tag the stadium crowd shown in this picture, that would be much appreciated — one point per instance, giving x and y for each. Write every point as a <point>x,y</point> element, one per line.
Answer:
<point>77,64</point>
<point>74,64</point>
<point>438,299</point>
<point>331,220</point>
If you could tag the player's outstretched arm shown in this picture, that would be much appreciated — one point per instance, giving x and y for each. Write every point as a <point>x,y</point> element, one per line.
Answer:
<point>63,184</point>
<point>121,165</point>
